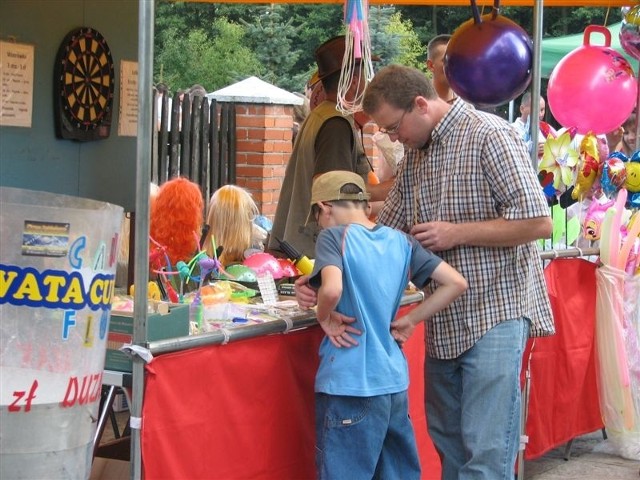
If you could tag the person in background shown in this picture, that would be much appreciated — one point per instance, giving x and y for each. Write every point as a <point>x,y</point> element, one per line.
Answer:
<point>623,139</point>
<point>467,191</point>
<point>435,64</point>
<point>363,428</point>
<point>436,50</point>
<point>327,140</point>
<point>521,124</point>
<point>300,112</point>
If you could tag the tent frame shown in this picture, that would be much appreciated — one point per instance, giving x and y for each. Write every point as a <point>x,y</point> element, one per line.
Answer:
<point>146,18</point>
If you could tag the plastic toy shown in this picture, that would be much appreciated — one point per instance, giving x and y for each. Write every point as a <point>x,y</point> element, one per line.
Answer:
<point>488,59</point>
<point>583,78</point>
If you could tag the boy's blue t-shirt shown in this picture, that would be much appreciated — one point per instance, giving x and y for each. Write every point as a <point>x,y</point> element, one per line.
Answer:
<point>376,266</point>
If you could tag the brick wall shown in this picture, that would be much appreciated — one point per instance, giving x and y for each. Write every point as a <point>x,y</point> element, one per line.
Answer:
<point>263,149</point>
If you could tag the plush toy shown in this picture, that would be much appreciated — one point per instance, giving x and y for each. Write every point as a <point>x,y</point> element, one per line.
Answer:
<point>230,219</point>
<point>176,220</point>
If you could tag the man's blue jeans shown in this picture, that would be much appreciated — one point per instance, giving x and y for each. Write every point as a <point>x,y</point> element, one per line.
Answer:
<point>473,405</point>
<point>365,437</point>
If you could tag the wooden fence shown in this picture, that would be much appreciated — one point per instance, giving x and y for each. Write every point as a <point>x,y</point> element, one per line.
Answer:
<point>194,138</point>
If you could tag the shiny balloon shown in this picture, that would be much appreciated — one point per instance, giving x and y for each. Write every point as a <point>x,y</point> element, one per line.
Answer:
<point>593,88</point>
<point>489,62</point>
<point>630,32</point>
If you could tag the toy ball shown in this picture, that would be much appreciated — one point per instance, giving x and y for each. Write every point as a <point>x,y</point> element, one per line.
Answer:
<point>288,268</point>
<point>488,60</point>
<point>264,262</point>
<point>242,273</point>
<point>630,32</point>
<point>593,88</point>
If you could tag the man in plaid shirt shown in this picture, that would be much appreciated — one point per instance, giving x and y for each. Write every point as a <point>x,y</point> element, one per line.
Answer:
<point>467,191</point>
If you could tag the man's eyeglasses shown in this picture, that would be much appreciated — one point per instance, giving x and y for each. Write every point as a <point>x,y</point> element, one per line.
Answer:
<point>394,130</point>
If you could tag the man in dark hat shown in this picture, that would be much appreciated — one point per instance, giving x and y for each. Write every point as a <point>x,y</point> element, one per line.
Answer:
<point>327,141</point>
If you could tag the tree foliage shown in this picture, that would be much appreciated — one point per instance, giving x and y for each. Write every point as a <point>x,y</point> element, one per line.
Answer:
<point>215,44</point>
<point>213,61</point>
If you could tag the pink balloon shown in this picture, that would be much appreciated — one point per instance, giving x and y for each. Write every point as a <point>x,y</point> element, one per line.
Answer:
<point>593,88</point>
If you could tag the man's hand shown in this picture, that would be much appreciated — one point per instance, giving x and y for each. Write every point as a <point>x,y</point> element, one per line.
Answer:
<point>338,329</point>
<point>436,236</point>
<point>306,296</point>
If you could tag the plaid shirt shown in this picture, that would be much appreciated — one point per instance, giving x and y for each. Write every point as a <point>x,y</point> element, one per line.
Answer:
<point>475,168</point>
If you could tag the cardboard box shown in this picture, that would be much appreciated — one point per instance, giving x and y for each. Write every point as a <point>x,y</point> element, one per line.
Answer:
<point>159,326</point>
<point>110,469</point>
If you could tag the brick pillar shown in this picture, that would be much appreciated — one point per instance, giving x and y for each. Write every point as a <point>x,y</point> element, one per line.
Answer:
<point>262,151</point>
<point>264,146</point>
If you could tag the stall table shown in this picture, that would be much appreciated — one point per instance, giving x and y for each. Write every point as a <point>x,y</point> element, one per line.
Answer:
<point>246,409</point>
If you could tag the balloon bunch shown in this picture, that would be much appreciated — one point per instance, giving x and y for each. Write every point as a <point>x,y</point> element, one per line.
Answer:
<point>621,172</point>
<point>609,185</point>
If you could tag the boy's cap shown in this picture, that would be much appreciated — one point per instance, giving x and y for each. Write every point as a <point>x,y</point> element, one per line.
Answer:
<point>326,188</point>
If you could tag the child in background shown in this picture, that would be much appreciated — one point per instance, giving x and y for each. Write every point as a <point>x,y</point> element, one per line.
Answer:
<point>361,271</point>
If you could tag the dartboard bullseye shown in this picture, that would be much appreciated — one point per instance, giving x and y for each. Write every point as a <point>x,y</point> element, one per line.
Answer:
<point>84,84</point>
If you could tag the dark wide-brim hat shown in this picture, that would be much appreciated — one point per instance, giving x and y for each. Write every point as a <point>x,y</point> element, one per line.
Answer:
<point>329,56</point>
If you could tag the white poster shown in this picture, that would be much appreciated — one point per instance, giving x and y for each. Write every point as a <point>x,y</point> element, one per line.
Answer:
<point>16,83</point>
<point>128,124</point>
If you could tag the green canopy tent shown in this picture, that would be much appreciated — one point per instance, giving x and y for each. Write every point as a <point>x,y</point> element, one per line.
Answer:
<point>555,49</point>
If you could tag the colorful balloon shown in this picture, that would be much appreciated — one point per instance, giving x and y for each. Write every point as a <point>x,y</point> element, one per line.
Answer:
<point>593,88</point>
<point>613,174</point>
<point>588,167</point>
<point>488,60</point>
<point>632,182</point>
<point>630,32</point>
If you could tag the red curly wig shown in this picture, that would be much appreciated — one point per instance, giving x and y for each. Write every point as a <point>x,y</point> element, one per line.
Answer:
<point>176,218</point>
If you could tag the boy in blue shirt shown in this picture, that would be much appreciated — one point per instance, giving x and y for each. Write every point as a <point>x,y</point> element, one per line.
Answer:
<point>361,270</point>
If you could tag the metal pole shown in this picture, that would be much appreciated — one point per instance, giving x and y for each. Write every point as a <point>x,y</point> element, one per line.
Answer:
<point>637,145</point>
<point>534,122</point>
<point>534,115</point>
<point>224,336</point>
<point>146,14</point>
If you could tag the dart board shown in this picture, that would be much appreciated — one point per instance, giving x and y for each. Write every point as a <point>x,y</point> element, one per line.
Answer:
<point>84,83</point>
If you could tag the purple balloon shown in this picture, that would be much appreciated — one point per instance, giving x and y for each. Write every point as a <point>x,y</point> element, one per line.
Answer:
<point>489,63</point>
